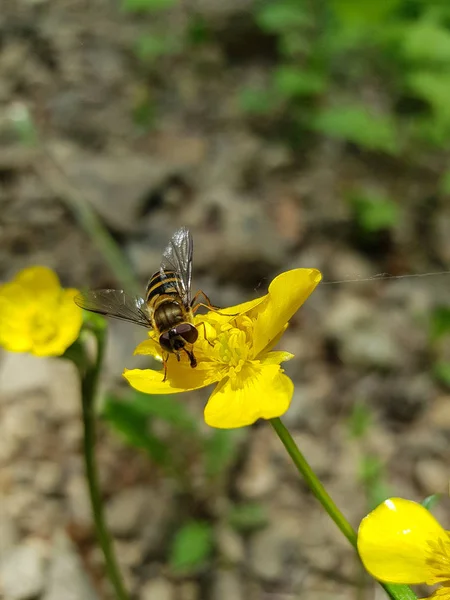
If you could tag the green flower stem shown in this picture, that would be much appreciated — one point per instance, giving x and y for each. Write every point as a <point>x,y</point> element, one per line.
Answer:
<point>397,592</point>
<point>89,385</point>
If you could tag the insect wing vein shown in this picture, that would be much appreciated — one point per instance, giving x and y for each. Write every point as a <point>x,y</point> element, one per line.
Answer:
<point>117,304</point>
<point>178,257</point>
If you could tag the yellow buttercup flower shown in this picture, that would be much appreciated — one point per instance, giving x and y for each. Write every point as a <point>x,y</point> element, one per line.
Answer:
<point>234,350</point>
<point>37,315</point>
<point>401,542</point>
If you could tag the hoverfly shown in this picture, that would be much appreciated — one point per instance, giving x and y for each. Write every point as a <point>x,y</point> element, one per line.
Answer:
<point>167,308</point>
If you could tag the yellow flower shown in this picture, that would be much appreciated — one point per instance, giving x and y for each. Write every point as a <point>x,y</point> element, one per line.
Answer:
<point>234,350</point>
<point>37,315</point>
<point>401,542</point>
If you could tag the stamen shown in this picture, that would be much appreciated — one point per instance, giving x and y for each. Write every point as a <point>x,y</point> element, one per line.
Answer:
<point>439,559</point>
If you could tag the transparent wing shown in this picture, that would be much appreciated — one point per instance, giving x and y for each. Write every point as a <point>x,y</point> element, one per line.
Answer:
<point>178,257</point>
<point>117,304</point>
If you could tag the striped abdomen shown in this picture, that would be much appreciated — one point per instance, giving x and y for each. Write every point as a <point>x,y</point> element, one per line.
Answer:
<point>169,284</point>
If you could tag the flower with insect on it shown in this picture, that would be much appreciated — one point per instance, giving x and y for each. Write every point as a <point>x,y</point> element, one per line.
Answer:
<point>37,315</point>
<point>401,542</point>
<point>234,350</point>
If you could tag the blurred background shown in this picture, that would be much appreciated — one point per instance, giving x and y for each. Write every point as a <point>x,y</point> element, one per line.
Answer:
<point>283,133</point>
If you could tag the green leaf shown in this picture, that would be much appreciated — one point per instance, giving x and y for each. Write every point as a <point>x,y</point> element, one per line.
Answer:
<point>426,41</point>
<point>434,88</point>
<point>431,501</point>
<point>358,125</point>
<point>293,82</point>
<point>167,408</point>
<point>220,450</point>
<point>248,517</point>
<point>360,420</point>
<point>370,468</point>
<point>441,371</point>
<point>440,322</point>
<point>284,15</point>
<point>23,125</point>
<point>147,5</point>
<point>191,547</point>
<point>374,212</point>
<point>151,47</point>
<point>257,101</point>
<point>128,421</point>
<point>355,12</point>
<point>444,183</point>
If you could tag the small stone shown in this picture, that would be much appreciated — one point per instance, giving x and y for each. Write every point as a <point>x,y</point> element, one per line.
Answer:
<point>258,477</point>
<point>432,476</point>
<point>130,553</point>
<point>277,546</point>
<point>9,534</point>
<point>188,590</point>
<point>230,544</point>
<point>364,338</point>
<point>64,390</point>
<point>12,369</point>
<point>157,589</point>
<point>78,501</point>
<point>22,572</point>
<point>226,585</point>
<point>48,477</point>
<point>438,414</point>
<point>20,501</point>
<point>66,577</point>
<point>125,512</point>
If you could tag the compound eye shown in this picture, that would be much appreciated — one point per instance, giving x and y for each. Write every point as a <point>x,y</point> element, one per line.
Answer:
<point>164,341</point>
<point>188,332</point>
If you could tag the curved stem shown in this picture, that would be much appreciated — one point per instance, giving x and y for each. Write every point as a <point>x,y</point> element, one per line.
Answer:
<point>89,387</point>
<point>397,592</point>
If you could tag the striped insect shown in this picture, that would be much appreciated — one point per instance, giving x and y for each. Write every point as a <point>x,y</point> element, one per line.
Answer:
<point>167,308</point>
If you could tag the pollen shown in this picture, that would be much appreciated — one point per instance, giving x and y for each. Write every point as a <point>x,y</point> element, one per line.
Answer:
<point>227,345</point>
<point>439,559</point>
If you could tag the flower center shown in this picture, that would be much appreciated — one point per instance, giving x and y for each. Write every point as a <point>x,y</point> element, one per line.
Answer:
<point>439,559</point>
<point>43,327</point>
<point>227,344</point>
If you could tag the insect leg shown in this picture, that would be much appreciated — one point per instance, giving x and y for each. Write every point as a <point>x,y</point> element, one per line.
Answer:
<point>192,359</point>
<point>214,309</point>
<point>165,359</point>
<point>204,332</point>
<point>208,301</point>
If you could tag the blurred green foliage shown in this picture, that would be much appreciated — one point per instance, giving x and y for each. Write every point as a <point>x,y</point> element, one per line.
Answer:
<point>440,323</point>
<point>371,470</point>
<point>373,74</point>
<point>431,501</point>
<point>176,442</point>
<point>331,52</point>
<point>180,446</point>
<point>372,211</point>
<point>248,517</point>
<point>439,331</point>
<point>191,547</point>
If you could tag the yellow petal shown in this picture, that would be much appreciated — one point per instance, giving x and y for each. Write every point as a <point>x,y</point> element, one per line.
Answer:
<point>276,358</point>
<point>180,378</point>
<point>149,347</point>
<point>287,293</point>
<point>237,309</point>
<point>67,319</point>
<point>442,593</point>
<point>394,542</point>
<point>260,392</point>
<point>41,280</point>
